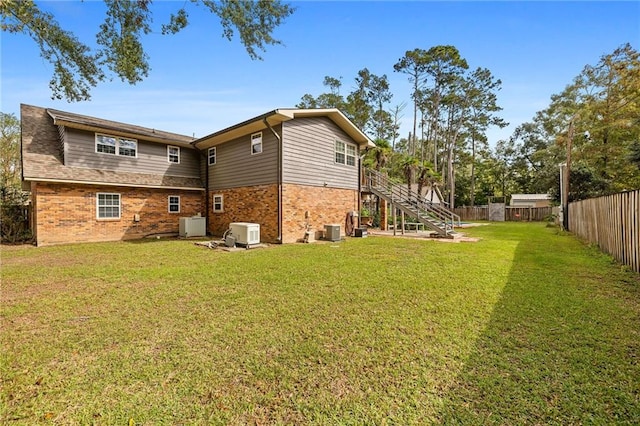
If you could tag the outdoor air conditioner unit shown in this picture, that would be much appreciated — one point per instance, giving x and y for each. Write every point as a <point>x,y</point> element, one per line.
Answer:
<point>195,226</point>
<point>332,232</point>
<point>245,233</point>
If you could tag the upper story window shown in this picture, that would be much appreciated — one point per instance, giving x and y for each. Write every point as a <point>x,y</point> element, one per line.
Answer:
<point>173,154</point>
<point>211,156</point>
<point>116,145</point>
<point>107,205</point>
<point>256,143</point>
<point>345,153</point>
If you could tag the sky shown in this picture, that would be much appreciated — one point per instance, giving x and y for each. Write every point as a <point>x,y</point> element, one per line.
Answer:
<point>200,83</point>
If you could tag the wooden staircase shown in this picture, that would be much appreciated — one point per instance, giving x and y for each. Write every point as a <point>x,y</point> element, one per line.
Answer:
<point>434,216</point>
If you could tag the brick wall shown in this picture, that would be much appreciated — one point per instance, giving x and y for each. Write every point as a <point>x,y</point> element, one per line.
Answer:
<point>324,206</point>
<point>254,204</point>
<point>66,213</point>
<point>258,204</point>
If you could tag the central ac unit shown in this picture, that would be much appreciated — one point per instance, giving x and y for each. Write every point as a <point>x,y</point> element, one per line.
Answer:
<point>245,233</point>
<point>332,232</point>
<point>195,226</point>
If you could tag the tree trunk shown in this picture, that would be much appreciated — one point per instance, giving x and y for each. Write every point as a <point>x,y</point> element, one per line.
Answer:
<point>451,178</point>
<point>472,196</point>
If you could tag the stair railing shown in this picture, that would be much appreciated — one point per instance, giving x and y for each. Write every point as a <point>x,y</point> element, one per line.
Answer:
<point>400,193</point>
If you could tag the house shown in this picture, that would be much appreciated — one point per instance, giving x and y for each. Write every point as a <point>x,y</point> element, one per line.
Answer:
<point>530,200</point>
<point>98,180</point>
<point>289,170</point>
<point>430,194</point>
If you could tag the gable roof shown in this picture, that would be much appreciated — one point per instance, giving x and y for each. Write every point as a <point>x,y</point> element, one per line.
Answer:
<point>278,116</point>
<point>85,122</point>
<point>42,159</point>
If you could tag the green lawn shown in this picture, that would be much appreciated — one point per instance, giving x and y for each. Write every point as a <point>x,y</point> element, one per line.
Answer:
<point>526,326</point>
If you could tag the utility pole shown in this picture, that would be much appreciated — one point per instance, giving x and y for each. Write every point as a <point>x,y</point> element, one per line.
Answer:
<point>567,173</point>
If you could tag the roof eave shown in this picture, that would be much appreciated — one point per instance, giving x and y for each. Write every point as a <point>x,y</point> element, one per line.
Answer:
<point>113,128</point>
<point>254,124</point>
<point>279,116</point>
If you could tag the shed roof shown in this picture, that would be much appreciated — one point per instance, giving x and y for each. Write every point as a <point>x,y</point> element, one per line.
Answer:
<point>530,197</point>
<point>85,122</point>
<point>279,116</point>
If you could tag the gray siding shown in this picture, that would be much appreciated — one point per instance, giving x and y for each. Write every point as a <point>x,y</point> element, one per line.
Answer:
<point>309,155</point>
<point>80,151</point>
<point>236,167</point>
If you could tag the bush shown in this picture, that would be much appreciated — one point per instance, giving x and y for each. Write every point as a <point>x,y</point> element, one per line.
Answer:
<point>14,223</point>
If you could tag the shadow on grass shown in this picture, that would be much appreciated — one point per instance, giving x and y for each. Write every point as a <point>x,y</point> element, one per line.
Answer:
<point>561,346</point>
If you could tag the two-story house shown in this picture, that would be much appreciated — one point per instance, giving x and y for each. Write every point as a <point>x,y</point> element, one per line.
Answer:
<point>99,180</point>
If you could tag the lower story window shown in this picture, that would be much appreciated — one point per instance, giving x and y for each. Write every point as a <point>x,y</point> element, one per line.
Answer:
<point>174,204</point>
<point>218,203</point>
<point>108,205</point>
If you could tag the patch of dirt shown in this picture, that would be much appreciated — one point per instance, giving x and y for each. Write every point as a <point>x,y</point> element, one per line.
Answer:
<point>424,235</point>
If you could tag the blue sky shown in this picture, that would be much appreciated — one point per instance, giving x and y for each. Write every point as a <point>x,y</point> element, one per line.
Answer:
<point>200,83</point>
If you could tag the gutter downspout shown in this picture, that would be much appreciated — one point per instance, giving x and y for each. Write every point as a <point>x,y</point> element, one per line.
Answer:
<point>206,190</point>
<point>360,177</point>
<point>205,157</point>
<point>279,179</point>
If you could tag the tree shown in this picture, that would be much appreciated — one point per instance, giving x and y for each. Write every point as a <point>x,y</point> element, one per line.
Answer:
<point>414,64</point>
<point>358,105</point>
<point>77,67</point>
<point>481,92</point>
<point>379,156</point>
<point>396,117</point>
<point>445,65</point>
<point>409,165</point>
<point>332,99</point>
<point>12,199</point>
<point>9,154</point>
<point>608,97</point>
<point>380,95</point>
<point>364,105</point>
<point>426,177</point>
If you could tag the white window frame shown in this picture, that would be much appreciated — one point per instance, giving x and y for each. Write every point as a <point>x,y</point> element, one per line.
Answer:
<point>256,140</point>
<point>221,202</point>
<point>176,201</point>
<point>175,155</point>
<point>211,151</point>
<point>119,143</point>
<point>106,205</point>
<point>345,153</point>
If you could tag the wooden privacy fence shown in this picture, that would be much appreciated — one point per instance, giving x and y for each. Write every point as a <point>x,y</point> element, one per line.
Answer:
<point>512,214</point>
<point>472,213</point>
<point>612,222</point>
<point>528,214</point>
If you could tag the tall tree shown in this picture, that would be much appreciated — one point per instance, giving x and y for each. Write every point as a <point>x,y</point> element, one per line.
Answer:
<point>396,114</point>
<point>331,99</point>
<point>414,64</point>
<point>78,67</point>
<point>364,105</point>
<point>380,95</point>
<point>358,103</point>
<point>445,66</point>
<point>481,92</point>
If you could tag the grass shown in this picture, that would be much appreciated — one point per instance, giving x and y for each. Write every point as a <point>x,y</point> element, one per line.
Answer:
<point>526,326</point>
